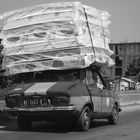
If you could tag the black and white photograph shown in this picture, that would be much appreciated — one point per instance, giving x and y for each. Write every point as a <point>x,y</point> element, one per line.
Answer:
<point>69,69</point>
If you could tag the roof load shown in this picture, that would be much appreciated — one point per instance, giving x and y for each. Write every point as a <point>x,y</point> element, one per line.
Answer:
<point>59,36</point>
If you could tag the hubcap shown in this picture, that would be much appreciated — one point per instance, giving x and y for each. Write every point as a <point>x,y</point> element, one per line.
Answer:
<point>86,119</point>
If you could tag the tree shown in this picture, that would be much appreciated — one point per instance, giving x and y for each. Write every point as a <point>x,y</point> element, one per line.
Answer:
<point>134,68</point>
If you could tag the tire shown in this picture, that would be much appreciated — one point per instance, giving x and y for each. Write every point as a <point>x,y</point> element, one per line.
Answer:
<point>84,120</point>
<point>113,119</point>
<point>23,122</point>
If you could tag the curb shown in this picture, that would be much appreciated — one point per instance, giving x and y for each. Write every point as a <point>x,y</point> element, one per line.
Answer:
<point>130,105</point>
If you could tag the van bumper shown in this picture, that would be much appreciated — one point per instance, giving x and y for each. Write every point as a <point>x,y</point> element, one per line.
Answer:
<point>59,113</point>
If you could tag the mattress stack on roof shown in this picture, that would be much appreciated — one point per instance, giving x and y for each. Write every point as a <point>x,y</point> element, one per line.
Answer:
<point>55,36</point>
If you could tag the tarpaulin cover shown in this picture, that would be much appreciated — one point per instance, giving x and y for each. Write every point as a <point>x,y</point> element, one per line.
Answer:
<point>55,36</point>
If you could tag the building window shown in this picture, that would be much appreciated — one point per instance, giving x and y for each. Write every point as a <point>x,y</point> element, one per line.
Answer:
<point>116,50</point>
<point>118,61</point>
<point>118,71</point>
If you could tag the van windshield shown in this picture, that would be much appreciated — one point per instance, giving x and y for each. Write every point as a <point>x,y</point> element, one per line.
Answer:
<point>50,76</point>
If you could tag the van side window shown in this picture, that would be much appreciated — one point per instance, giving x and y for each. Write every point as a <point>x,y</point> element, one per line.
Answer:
<point>91,78</point>
<point>99,82</point>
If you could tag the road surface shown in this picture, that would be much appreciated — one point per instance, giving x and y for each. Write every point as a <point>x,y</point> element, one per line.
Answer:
<point>128,128</point>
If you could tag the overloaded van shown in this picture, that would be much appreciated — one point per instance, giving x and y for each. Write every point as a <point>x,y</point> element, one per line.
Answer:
<point>61,43</point>
<point>76,95</point>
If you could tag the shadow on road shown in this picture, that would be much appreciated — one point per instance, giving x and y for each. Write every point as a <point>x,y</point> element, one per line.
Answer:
<point>11,125</point>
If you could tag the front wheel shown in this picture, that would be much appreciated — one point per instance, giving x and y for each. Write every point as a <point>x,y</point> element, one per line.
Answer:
<point>84,119</point>
<point>113,119</point>
<point>23,122</point>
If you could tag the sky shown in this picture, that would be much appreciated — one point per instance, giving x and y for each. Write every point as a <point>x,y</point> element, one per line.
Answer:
<point>125,15</point>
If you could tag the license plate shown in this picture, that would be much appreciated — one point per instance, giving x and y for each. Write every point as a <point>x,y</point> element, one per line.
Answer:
<point>35,102</point>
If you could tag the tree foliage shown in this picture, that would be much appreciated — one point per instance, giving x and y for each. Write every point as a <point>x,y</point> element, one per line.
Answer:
<point>133,68</point>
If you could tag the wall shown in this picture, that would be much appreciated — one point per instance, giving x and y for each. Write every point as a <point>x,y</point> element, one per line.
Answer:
<point>124,53</point>
<point>129,97</point>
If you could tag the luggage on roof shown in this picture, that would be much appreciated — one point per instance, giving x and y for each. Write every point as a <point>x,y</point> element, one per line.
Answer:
<point>55,36</point>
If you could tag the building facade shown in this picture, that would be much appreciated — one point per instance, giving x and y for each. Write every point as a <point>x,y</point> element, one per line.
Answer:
<point>124,54</point>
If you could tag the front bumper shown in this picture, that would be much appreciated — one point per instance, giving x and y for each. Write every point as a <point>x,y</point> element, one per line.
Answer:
<point>58,113</point>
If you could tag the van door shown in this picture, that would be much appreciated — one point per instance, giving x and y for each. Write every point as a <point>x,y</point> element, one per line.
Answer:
<point>107,99</point>
<point>94,91</point>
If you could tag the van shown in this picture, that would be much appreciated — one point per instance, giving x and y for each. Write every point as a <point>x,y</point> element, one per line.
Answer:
<point>73,95</point>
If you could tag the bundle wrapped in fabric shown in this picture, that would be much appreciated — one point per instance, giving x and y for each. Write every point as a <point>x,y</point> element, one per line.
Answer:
<point>55,36</point>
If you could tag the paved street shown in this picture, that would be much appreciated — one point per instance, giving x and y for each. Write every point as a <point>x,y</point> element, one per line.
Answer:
<point>127,129</point>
